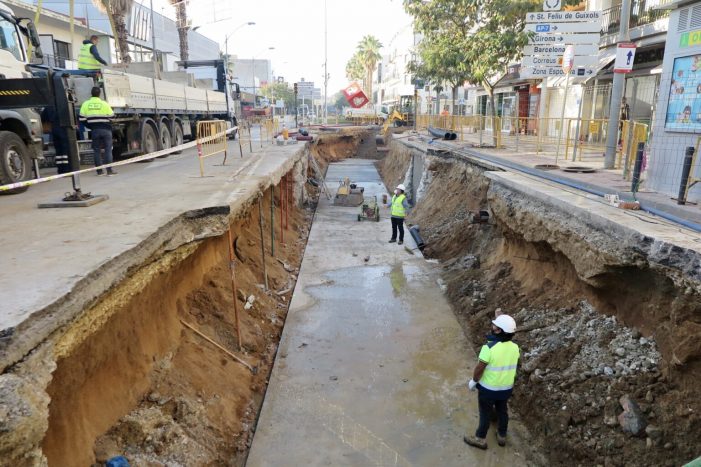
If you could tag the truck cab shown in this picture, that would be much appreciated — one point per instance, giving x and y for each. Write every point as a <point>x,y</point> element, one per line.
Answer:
<point>20,129</point>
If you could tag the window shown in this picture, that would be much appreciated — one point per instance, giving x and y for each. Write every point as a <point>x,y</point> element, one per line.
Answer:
<point>9,40</point>
<point>62,50</point>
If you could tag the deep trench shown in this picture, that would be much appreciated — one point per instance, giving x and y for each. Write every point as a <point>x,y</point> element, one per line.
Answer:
<point>571,326</point>
<point>133,380</point>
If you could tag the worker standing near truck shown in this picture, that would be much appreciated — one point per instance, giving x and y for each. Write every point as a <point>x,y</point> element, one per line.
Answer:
<point>89,58</point>
<point>97,115</point>
<point>399,206</point>
<point>494,378</point>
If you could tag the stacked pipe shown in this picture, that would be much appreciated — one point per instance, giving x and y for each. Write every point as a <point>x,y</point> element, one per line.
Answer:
<point>443,134</point>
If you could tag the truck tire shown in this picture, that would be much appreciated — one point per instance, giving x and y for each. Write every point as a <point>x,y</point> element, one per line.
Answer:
<point>149,139</point>
<point>178,136</point>
<point>165,138</point>
<point>15,161</point>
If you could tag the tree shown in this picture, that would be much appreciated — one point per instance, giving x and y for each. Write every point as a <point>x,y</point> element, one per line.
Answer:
<point>368,55</point>
<point>354,69</point>
<point>475,39</point>
<point>116,11</point>
<point>183,28</point>
<point>279,91</point>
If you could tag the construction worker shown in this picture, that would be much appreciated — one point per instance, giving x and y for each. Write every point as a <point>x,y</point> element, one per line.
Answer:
<point>88,57</point>
<point>494,378</point>
<point>399,206</point>
<point>97,115</point>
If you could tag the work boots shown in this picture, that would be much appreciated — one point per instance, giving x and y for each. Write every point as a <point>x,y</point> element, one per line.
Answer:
<point>475,441</point>
<point>501,440</point>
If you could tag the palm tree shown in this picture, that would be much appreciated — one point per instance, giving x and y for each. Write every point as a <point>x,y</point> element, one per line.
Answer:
<point>116,11</point>
<point>369,54</point>
<point>183,28</point>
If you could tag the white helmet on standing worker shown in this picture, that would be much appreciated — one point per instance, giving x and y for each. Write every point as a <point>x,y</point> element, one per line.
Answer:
<point>506,323</point>
<point>401,187</point>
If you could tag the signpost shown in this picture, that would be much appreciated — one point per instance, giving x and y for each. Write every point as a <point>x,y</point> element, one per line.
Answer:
<point>563,44</point>
<point>567,65</point>
<point>552,32</point>
<point>625,56</point>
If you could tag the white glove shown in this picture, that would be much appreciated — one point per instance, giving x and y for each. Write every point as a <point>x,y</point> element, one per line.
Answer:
<point>472,384</point>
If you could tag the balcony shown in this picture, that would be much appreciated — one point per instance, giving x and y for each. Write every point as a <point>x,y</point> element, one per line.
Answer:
<point>642,12</point>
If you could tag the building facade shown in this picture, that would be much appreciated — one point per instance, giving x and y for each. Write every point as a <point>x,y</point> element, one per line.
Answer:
<point>251,73</point>
<point>61,50</point>
<point>677,120</point>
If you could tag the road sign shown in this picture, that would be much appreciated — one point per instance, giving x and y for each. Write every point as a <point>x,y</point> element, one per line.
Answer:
<point>556,72</point>
<point>562,39</point>
<point>563,16</point>
<point>591,26</point>
<point>556,50</point>
<point>556,61</point>
<point>552,5</point>
<point>625,56</point>
<point>568,59</point>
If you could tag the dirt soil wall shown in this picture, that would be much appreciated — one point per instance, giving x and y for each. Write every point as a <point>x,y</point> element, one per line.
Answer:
<point>603,322</point>
<point>128,377</point>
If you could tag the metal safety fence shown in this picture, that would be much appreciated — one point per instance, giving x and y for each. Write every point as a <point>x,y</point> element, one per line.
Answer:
<point>573,139</point>
<point>211,140</point>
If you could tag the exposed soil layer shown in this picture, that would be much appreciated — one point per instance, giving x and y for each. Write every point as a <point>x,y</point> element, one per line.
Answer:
<point>593,336</point>
<point>144,385</point>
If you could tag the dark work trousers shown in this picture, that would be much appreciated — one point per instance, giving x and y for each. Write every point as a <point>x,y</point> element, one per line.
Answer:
<point>486,405</point>
<point>398,224</point>
<point>102,138</point>
<point>60,140</point>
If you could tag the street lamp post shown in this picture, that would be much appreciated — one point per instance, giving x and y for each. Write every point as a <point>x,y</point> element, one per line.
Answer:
<point>227,87</point>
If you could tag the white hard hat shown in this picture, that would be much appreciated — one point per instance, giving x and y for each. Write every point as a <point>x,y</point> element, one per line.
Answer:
<point>506,323</point>
<point>401,187</point>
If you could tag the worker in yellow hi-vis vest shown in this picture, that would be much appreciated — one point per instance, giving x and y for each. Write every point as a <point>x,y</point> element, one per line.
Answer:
<point>494,378</point>
<point>399,207</point>
<point>88,57</point>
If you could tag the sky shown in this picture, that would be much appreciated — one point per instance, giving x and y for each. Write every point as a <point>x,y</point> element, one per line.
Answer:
<point>296,30</point>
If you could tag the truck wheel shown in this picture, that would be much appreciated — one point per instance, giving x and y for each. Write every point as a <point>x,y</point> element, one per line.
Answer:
<point>178,138</point>
<point>15,161</point>
<point>166,141</point>
<point>149,140</point>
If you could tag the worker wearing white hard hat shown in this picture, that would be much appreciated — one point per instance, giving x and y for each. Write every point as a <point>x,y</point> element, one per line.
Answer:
<point>494,378</point>
<point>399,207</point>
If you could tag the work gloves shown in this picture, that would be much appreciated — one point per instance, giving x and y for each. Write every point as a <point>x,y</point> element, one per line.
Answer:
<point>472,384</point>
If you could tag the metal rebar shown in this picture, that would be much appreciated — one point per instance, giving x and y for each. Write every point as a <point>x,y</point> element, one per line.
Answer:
<point>272,220</point>
<point>262,240</point>
<point>232,268</point>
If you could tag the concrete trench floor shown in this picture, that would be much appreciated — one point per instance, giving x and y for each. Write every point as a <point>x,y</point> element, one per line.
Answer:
<point>372,364</point>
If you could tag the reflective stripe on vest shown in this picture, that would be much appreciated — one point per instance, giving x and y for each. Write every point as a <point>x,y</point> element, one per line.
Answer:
<point>86,60</point>
<point>398,206</point>
<point>500,373</point>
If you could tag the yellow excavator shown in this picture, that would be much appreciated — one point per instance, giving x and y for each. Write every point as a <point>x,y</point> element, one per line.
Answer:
<point>395,117</point>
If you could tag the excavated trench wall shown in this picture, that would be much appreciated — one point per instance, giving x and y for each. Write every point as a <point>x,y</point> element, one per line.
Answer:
<point>124,375</point>
<point>606,315</point>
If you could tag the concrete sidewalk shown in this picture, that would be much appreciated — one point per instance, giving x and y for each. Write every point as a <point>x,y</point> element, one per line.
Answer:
<point>608,181</point>
<point>372,365</point>
<point>55,261</point>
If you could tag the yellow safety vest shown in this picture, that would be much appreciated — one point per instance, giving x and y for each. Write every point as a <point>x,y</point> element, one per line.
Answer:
<point>501,360</point>
<point>95,111</point>
<point>86,60</point>
<point>398,206</point>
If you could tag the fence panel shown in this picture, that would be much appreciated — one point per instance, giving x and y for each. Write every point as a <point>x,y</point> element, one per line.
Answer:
<point>211,140</point>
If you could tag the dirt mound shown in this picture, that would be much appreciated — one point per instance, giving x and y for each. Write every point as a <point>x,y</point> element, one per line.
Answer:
<point>581,365</point>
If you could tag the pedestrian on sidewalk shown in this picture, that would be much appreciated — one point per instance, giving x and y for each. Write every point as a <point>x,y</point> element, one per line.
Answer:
<point>98,115</point>
<point>494,378</point>
<point>399,207</point>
